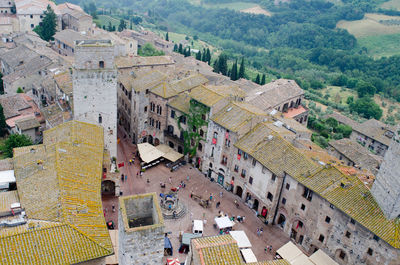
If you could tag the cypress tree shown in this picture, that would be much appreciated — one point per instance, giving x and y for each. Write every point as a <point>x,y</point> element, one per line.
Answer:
<point>215,66</point>
<point>208,56</point>
<point>47,28</point>
<point>198,56</point>
<point>234,72</point>
<point>3,125</point>
<point>257,79</point>
<point>263,80</point>
<point>180,49</point>
<point>166,37</point>
<point>222,64</point>
<point>109,27</point>
<point>242,70</point>
<point>1,84</point>
<point>176,47</point>
<point>203,58</point>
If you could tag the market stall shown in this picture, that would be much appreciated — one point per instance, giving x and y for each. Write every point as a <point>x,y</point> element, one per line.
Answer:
<point>321,258</point>
<point>241,238</point>
<point>224,224</point>
<point>248,255</point>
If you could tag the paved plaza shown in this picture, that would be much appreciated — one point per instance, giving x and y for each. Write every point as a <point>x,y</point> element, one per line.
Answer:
<point>199,185</point>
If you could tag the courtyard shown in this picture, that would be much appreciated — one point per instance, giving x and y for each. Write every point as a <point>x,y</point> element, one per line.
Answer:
<point>199,185</point>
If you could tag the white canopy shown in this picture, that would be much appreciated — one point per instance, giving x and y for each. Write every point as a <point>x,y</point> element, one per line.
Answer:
<point>241,238</point>
<point>148,152</point>
<point>223,222</point>
<point>169,153</point>
<point>6,177</point>
<point>289,251</point>
<point>248,255</point>
<point>301,260</point>
<point>321,258</point>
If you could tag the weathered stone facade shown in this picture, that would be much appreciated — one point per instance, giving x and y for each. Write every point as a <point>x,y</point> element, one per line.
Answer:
<point>95,88</point>
<point>140,242</point>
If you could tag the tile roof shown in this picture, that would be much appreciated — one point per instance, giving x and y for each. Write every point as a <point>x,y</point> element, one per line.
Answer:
<point>27,123</point>
<point>181,103</point>
<point>271,262</point>
<point>17,56</point>
<point>64,82</point>
<point>69,36</point>
<point>12,105</point>
<point>35,7</point>
<point>53,115</point>
<point>205,95</point>
<point>27,68</point>
<point>148,80</point>
<point>136,61</point>
<point>345,192</point>
<point>171,89</point>
<point>6,164</point>
<point>126,80</point>
<point>274,93</point>
<point>217,250</point>
<point>235,115</point>
<point>293,112</point>
<point>59,182</point>
<point>6,199</point>
<point>228,90</point>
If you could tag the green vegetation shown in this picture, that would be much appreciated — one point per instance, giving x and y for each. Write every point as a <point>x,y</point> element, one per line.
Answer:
<point>3,124</point>
<point>149,50</point>
<point>366,107</point>
<point>47,28</point>
<point>14,141</point>
<point>19,90</point>
<point>381,45</point>
<point>237,6</point>
<point>1,84</point>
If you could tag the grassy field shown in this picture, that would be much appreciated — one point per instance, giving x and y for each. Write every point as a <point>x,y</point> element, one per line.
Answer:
<point>234,5</point>
<point>381,45</point>
<point>392,4</point>
<point>104,20</point>
<point>370,25</point>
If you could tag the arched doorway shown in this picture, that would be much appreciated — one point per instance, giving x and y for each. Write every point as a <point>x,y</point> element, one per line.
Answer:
<point>248,197</point>
<point>281,220</point>
<point>220,179</point>
<point>255,205</point>
<point>108,187</point>
<point>239,191</point>
<point>171,144</point>
<point>150,139</point>
<point>156,142</point>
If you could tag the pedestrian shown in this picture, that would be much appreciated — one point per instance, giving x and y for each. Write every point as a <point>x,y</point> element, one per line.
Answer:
<point>170,180</point>
<point>261,230</point>
<point>217,204</point>
<point>258,231</point>
<point>221,194</point>
<point>187,178</point>
<point>126,177</point>
<point>141,173</point>
<point>243,218</point>
<point>270,248</point>
<point>148,180</point>
<point>130,161</point>
<point>113,207</point>
<point>211,196</point>
<point>122,177</point>
<point>191,216</point>
<point>137,174</point>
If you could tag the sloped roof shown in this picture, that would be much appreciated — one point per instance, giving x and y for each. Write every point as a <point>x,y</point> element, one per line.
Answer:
<point>271,262</point>
<point>59,184</point>
<point>235,115</point>
<point>217,250</point>
<point>64,82</point>
<point>126,80</point>
<point>6,199</point>
<point>171,89</point>
<point>17,56</point>
<point>13,104</point>
<point>36,7</point>
<point>136,61</point>
<point>181,103</point>
<point>148,80</point>
<point>27,123</point>
<point>345,192</point>
<point>205,95</point>
<point>69,36</point>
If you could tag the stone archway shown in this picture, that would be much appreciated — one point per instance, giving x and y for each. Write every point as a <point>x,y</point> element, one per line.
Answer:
<point>239,191</point>
<point>108,187</point>
<point>281,220</point>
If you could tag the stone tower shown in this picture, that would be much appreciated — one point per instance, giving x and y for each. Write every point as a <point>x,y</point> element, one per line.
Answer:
<point>95,88</point>
<point>386,188</point>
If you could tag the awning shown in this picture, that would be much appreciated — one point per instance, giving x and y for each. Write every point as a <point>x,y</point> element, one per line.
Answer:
<point>173,262</point>
<point>321,258</point>
<point>248,255</point>
<point>241,238</point>
<point>148,152</point>
<point>289,251</point>
<point>223,222</point>
<point>167,243</point>
<point>6,177</point>
<point>169,153</point>
<point>301,260</point>
<point>186,237</point>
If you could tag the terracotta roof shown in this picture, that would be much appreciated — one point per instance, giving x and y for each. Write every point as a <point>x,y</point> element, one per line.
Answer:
<point>18,56</point>
<point>136,61</point>
<point>235,115</point>
<point>205,95</point>
<point>64,82</point>
<point>35,7</point>
<point>53,115</point>
<point>12,105</point>
<point>345,192</point>
<point>171,89</point>
<point>148,80</point>
<point>181,103</point>
<point>217,250</point>
<point>27,123</point>
<point>59,184</point>
<point>275,93</point>
<point>226,90</point>
<point>69,36</point>
<point>293,112</point>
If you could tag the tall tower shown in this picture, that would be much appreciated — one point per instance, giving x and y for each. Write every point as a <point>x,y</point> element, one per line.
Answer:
<point>386,188</point>
<point>95,88</point>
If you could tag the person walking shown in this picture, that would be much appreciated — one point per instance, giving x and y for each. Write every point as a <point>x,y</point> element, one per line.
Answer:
<point>170,180</point>
<point>187,178</point>
<point>221,194</point>
<point>211,196</point>
<point>122,177</point>
<point>258,231</point>
<point>126,177</point>
<point>217,204</point>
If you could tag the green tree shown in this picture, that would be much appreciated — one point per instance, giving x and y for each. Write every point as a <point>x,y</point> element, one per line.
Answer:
<point>257,80</point>
<point>149,50</point>
<point>166,37</point>
<point>365,89</point>
<point>208,56</point>
<point>180,49</point>
<point>122,25</point>
<point>176,47</point>
<point>263,80</point>
<point>3,124</point>
<point>198,56</point>
<point>242,69</point>
<point>47,28</point>
<point>92,10</point>
<point>203,56</point>
<point>1,84</point>
<point>113,28</point>
<point>222,64</point>
<point>19,90</point>
<point>234,71</point>
<point>136,20</point>
<point>350,100</point>
<point>109,27</point>
<point>14,141</point>
<point>345,130</point>
<point>367,108</point>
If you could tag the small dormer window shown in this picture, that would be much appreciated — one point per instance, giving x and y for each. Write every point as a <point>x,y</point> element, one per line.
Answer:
<point>101,64</point>
<point>100,118</point>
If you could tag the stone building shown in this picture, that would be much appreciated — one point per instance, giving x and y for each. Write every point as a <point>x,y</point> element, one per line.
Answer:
<point>95,88</point>
<point>55,216</point>
<point>30,13</point>
<point>131,64</point>
<point>30,127</point>
<point>74,18</point>
<point>141,230</point>
<point>64,41</point>
<point>6,6</point>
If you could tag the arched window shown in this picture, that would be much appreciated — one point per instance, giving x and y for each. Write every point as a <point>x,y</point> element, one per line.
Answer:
<point>100,118</point>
